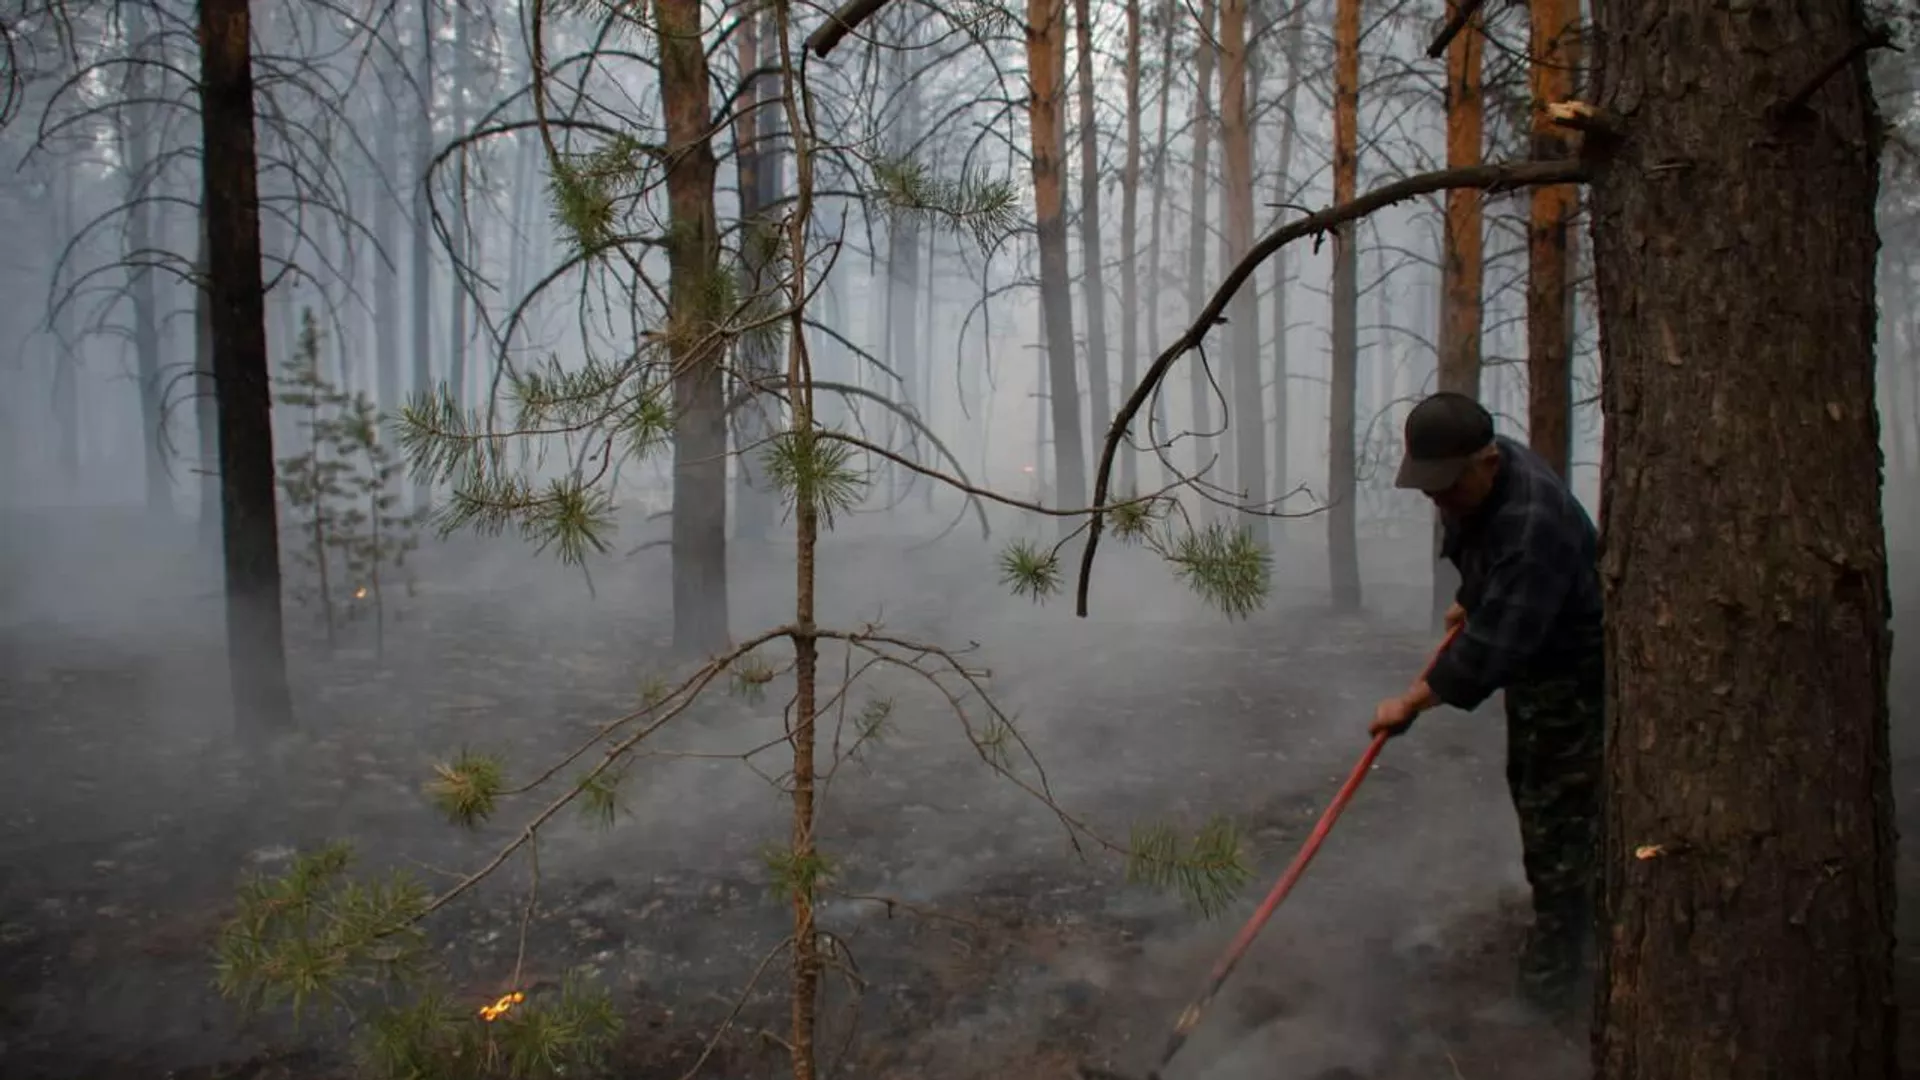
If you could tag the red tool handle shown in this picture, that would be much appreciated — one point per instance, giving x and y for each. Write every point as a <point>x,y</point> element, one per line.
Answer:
<point>1242,941</point>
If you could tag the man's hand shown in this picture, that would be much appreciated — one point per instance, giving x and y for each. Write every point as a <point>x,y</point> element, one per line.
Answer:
<point>1394,714</point>
<point>1455,616</point>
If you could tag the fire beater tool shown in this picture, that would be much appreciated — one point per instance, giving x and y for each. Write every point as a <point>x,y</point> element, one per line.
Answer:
<point>1190,1016</point>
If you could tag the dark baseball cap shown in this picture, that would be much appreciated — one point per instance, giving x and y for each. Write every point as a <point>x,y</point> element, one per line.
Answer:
<point>1443,433</point>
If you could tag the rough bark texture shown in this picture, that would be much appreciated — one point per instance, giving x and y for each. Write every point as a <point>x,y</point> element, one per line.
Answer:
<point>1243,315</point>
<point>249,515</point>
<point>1200,389</point>
<point>1555,51</point>
<point>699,537</point>
<point>1462,265</point>
<point>1744,566</point>
<point>1047,69</point>
<point>1343,555</point>
<point>1130,248</point>
<point>1092,251</point>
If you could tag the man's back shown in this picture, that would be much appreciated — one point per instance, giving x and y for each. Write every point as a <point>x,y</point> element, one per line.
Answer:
<point>1531,514</point>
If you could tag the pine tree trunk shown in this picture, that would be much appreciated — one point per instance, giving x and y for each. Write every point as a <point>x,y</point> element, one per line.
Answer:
<point>1461,265</point>
<point>1158,432</point>
<point>1296,40</point>
<point>1750,845</point>
<point>1047,69</point>
<point>699,536</point>
<point>249,514</point>
<point>1092,249</point>
<point>1343,555</point>
<point>422,230</point>
<point>1130,252</point>
<point>136,141</point>
<point>1200,389</point>
<point>1554,52</point>
<point>388,302</point>
<point>753,509</point>
<point>66,359</point>
<point>1243,313</point>
<point>206,411</point>
<point>460,69</point>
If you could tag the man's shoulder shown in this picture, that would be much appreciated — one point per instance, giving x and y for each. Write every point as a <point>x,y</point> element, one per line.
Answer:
<point>1539,498</point>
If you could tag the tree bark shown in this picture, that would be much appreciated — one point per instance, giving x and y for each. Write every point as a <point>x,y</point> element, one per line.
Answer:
<point>757,178</point>
<point>206,395</point>
<point>250,528</point>
<point>1092,250</point>
<point>1343,553</point>
<point>1243,314</point>
<point>699,535</point>
<point>1130,248</point>
<point>136,142</point>
<point>1750,848</point>
<point>1554,52</point>
<point>1462,264</point>
<point>387,299</point>
<point>1159,431</point>
<point>1295,47</point>
<point>1047,69</point>
<point>460,69</point>
<point>422,230</point>
<point>1200,389</point>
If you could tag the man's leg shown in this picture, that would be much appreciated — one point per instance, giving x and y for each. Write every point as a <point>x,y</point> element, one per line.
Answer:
<point>1555,737</point>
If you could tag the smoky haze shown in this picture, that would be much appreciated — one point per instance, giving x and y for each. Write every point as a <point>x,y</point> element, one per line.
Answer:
<point>985,942</point>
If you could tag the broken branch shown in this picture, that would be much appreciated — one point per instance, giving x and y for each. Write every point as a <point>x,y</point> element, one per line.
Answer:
<point>840,23</point>
<point>1878,37</point>
<point>1488,178</point>
<point>1455,23</point>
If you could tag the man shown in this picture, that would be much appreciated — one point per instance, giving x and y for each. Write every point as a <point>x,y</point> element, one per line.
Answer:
<point>1530,600</point>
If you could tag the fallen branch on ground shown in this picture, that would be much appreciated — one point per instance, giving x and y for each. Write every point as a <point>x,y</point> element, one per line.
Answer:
<point>1489,178</point>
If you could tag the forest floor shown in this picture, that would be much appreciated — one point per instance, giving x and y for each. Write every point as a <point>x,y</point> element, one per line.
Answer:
<point>1007,955</point>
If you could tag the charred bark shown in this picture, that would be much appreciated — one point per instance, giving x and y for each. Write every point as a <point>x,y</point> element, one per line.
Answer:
<point>699,535</point>
<point>249,514</point>
<point>1750,848</point>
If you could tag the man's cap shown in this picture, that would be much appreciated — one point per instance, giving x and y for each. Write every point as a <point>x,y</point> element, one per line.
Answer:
<point>1443,433</point>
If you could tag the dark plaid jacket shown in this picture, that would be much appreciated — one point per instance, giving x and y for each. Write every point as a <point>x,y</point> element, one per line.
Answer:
<point>1530,581</point>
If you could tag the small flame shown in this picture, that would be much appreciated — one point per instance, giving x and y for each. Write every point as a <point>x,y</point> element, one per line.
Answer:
<point>360,593</point>
<point>499,1008</point>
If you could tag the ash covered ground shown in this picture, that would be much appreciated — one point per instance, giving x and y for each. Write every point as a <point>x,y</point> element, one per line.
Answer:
<point>127,819</point>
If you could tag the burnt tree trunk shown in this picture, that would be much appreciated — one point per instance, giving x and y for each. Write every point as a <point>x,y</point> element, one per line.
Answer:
<point>1750,848</point>
<point>699,536</point>
<point>238,328</point>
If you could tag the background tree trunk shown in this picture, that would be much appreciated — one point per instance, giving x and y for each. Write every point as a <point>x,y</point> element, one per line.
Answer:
<point>1092,252</point>
<point>1160,430</point>
<point>1047,70</point>
<point>249,514</point>
<point>1554,52</point>
<point>1130,251</point>
<point>1243,313</point>
<point>699,536</point>
<point>136,142</point>
<point>1343,554</point>
<point>757,176</point>
<point>1745,562</point>
<point>423,231</point>
<point>1200,389</point>
<point>1295,55</point>
<point>1462,259</point>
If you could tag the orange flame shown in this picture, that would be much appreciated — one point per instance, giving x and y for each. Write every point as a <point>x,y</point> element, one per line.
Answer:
<point>499,1008</point>
<point>360,593</point>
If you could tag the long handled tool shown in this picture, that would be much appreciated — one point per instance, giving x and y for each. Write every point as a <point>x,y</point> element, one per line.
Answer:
<point>1190,1016</point>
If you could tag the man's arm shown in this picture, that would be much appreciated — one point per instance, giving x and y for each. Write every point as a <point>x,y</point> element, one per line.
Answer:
<point>1523,595</point>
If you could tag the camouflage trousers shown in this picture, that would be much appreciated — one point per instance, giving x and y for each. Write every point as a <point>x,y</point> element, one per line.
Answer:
<point>1555,742</point>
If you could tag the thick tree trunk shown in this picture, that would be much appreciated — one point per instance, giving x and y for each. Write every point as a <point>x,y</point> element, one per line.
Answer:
<point>1343,553</point>
<point>1554,53</point>
<point>1461,260</point>
<point>1047,70</point>
<point>1750,847</point>
<point>1243,313</point>
<point>1130,250</point>
<point>1092,250</point>
<point>423,230</point>
<point>1200,389</point>
<point>249,514</point>
<point>699,536</point>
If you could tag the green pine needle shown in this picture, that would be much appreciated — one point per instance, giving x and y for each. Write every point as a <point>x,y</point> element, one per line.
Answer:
<point>1030,570</point>
<point>1208,873</point>
<point>467,789</point>
<point>1226,567</point>
<point>812,471</point>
